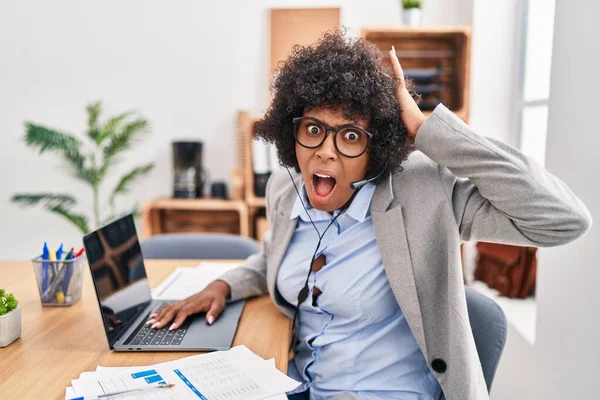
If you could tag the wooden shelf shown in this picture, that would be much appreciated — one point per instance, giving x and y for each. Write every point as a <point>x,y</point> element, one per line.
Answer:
<point>256,202</point>
<point>168,215</point>
<point>197,204</point>
<point>445,48</point>
<point>245,124</point>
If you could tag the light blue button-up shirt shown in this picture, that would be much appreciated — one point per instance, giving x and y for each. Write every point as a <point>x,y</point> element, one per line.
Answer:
<point>354,337</point>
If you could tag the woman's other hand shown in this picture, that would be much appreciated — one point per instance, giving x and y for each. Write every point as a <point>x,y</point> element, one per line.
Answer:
<point>412,116</point>
<point>211,300</point>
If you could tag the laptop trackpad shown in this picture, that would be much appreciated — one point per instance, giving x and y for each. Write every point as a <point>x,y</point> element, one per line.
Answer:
<point>219,335</point>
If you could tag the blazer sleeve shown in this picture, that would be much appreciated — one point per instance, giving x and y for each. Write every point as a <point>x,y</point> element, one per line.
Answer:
<point>497,193</point>
<point>250,279</point>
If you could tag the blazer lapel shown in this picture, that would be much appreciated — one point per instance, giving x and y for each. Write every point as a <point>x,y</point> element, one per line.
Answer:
<point>390,233</point>
<point>282,232</point>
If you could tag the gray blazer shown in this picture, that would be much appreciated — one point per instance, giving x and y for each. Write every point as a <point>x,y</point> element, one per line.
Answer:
<point>456,186</point>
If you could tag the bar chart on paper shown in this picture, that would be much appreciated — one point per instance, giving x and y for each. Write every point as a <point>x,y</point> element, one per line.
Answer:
<point>236,374</point>
<point>149,377</point>
<point>220,380</point>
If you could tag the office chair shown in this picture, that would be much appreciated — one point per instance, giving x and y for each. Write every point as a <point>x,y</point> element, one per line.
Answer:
<point>180,246</point>
<point>488,324</point>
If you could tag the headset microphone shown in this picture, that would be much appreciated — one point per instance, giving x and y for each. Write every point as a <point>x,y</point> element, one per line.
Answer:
<point>358,184</point>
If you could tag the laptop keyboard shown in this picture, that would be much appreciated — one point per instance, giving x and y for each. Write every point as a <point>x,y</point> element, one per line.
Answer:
<point>145,336</point>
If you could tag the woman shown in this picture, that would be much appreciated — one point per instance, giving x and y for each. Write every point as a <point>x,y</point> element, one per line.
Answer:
<point>365,236</point>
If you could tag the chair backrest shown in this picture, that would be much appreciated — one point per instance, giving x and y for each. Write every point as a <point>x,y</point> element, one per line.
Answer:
<point>199,246</point>
<point>488,324</point>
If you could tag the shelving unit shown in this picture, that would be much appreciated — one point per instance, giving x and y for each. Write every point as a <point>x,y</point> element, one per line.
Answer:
<point>169,215</point>
<point>255,204</point>
<point>445,52</point>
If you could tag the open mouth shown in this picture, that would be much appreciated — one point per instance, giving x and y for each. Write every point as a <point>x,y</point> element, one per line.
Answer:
<point>323,184</point>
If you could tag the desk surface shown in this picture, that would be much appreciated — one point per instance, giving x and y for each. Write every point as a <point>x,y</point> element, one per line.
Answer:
<point>57,343</point>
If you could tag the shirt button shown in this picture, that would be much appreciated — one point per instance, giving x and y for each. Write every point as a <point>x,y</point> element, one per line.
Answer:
<point>438,365</point>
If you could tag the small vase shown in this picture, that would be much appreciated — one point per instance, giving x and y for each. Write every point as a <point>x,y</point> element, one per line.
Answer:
<point>10,327</point>
<point>412,17</point>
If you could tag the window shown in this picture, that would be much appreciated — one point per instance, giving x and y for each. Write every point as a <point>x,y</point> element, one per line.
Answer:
<point>533,88</point>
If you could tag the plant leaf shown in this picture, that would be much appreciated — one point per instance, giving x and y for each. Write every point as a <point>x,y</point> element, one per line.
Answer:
<point>11,302</point>
<point>127,179</point>
<point>79,220</point>
<point>49,199</point>
<point>111,127</point>
<point>122,140</point>
<point>94,110</point>
<point>49,139</point>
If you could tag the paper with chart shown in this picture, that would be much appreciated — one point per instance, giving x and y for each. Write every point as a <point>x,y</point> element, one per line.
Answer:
<point>186,281</point>
<point>237,374</point>
<point>269,363</point>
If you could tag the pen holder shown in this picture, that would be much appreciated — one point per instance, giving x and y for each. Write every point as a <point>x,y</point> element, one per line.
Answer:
<point>59,282</point>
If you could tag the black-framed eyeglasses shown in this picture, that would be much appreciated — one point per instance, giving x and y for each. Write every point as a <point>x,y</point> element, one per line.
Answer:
<point>349,140</point>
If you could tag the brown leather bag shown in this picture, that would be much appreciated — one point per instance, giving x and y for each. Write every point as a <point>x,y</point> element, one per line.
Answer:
<point>511,270</point>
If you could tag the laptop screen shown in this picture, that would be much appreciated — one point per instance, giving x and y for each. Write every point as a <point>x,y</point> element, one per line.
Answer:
<point>118,273</point>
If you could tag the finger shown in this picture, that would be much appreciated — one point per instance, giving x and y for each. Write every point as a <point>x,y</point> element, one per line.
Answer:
<point>161,311</point>
<point>180,318</point>
<point>216,308</point>
<point>165,319</point>
<point>398,73</point>
<point>158,314</point>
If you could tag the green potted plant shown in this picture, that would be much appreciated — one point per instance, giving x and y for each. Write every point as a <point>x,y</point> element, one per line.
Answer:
<point>89,162</point>
<point>412,12</point>
<point>10,318</point>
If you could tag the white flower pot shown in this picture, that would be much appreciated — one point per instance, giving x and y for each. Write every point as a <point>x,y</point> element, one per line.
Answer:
<point>412,16</point>
<point>10,327</point>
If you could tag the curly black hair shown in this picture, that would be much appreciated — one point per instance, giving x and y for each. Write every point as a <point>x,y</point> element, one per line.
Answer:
<point>344,73</point>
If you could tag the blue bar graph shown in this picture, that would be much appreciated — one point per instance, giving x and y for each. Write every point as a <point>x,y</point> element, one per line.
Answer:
<point>144,373</point>
<point>153,378</point>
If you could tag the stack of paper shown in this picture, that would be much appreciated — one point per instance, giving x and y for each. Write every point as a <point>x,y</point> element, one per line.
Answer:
<point>186,281</point>
<point>236,374</point>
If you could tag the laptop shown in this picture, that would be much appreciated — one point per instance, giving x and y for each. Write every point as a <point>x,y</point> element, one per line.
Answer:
<point>123,292</point>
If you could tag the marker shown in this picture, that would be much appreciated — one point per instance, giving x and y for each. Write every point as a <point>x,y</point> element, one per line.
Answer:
<point>60,296</point>
<point>45,256</point>
<point>69,271</point>
<point>59,252</point>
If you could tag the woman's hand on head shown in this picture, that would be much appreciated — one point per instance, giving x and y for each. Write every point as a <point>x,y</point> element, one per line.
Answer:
<point>412,116</point>
<point>211,300</point>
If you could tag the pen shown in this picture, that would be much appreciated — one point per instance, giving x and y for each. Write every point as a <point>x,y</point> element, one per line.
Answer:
<point>59,293</point>
<point>80,252</point>
<point>45,256</point>
<point>54,291</point>
<point>52,273</point>
<point>59,252</point>
<point>105,395</point>
<point>52,265</point>
<point>69,271</point>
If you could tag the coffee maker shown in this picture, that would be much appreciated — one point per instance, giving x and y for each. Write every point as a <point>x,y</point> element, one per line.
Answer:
<point>189,176</point>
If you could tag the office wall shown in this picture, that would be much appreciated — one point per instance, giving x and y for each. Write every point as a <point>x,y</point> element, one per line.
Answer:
<point>186,65</point>
<point>563,363</point>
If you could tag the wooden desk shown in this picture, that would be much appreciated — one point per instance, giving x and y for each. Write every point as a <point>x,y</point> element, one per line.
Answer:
<point>167,215</point>
<point>57,344</point>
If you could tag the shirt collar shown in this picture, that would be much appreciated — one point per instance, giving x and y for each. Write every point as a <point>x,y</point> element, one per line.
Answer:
<point>358,210</point>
